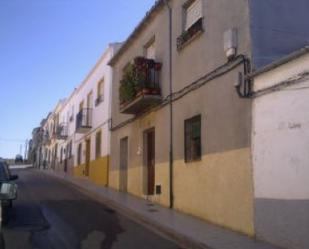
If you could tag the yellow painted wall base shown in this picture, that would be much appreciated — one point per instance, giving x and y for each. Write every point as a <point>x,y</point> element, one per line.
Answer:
<point>98,170</point>
<point>78,171</point>
<point>218,189</point>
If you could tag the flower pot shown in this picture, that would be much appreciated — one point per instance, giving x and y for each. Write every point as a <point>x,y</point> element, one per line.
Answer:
<point>146,91</point>
<point>158,66</point>
<point>155,91</point>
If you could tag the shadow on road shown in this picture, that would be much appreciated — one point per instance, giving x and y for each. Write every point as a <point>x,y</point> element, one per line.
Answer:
<point>64,224</point>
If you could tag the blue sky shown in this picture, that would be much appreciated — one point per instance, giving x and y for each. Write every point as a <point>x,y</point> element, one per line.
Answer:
<point>46,49</point>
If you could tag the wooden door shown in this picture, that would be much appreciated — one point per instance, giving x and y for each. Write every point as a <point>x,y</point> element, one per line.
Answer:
<point>150,161</point>
<point>88,151</point>
<point>123,174</point>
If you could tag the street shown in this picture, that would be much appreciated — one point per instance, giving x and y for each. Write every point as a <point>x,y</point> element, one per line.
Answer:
<point>50,214</point>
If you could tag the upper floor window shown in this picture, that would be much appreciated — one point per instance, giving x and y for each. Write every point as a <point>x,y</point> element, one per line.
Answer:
<point>81,105</point>
<point>100,92</point>
<point>192,22</point>
<point>69,150</point>
<point>71,115</point>
<point>89,100</point>
<point>193,12</point>
<point>150,49</point>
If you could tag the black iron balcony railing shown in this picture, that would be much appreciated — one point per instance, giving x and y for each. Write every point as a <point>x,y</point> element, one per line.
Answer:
<point>84,120</point>
<point>140,86</point>
<point>62,131</point>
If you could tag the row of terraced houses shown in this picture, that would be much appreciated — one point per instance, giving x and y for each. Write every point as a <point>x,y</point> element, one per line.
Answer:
<point>203,109</point>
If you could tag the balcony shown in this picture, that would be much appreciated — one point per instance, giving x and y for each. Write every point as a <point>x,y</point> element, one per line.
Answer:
<point>84,120</point>
<point>62,131</point>
<point>140,87</point>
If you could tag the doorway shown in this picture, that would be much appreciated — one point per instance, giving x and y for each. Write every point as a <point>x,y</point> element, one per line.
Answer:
<point>88,151</point>
<point>123,173</point>
<point>149,160</point>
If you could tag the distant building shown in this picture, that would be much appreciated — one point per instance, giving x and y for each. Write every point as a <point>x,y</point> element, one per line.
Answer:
<point>77,133</point>
<point>34,146</point>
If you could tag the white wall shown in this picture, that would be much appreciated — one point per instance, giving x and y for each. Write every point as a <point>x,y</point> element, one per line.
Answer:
<point>100,113</point>
<point>280,150</point>
<point>280,138</point>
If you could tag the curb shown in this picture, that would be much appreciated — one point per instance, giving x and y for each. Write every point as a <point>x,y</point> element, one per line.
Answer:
<point>181,239</point>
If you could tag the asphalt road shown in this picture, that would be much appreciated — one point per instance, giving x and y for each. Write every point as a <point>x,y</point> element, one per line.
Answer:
<point>50,214</point>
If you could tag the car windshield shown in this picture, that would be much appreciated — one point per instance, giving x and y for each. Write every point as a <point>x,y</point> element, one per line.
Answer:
<point>4,172</point>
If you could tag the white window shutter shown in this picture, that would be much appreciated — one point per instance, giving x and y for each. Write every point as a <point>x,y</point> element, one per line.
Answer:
<point>193,13</point>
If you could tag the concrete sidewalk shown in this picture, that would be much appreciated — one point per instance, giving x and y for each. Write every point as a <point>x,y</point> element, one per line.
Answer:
<point>187,230</point>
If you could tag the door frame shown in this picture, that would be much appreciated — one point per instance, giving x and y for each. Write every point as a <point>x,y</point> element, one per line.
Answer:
<point>123,165</point>
<point>87,156</point>
<point>149,165</point>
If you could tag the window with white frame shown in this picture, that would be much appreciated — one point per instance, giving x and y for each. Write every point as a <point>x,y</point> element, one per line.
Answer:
<point>150,49</point>
<point>193,12</point>
<point>100,92</point>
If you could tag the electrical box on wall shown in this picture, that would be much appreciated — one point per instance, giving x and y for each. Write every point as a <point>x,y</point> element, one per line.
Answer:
<point>230,43</point>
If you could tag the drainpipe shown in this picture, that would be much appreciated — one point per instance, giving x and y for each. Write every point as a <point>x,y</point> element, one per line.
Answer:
<point>171,153</point>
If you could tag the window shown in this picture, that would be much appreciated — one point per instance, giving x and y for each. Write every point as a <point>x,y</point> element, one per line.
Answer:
<point>69,150</point>
<point>100,92</point>
<point>193,12</point>
<point>81,105</point>
<point>79,154</point>
<point>192,23</point>
<point>193,139</point>
<point>150,49</point>
<point>98,143</point>
<point>71,118</point>
<point>89,100</point>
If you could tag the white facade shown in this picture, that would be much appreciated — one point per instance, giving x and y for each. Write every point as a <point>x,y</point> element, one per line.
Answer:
<point>98,84</point>
<point>281,134</point>
<point>101,73</point>
<point>62,152</point>
<point>280,143</point>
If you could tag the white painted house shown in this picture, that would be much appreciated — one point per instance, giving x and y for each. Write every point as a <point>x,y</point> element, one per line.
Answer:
<point>77,139</point>
<point>280,149</point>
<point>88,112</point>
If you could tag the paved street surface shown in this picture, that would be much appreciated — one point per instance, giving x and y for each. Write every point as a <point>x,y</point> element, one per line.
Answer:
<point>50,214</point>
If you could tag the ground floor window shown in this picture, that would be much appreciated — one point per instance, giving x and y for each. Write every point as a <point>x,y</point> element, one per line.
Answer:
<point>193,145</point>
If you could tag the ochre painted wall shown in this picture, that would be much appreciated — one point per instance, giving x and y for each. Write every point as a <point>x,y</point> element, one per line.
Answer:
<point>78,170</point>
<point>98,170</point>
<point>114,179</point>
<point>218,188</point>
